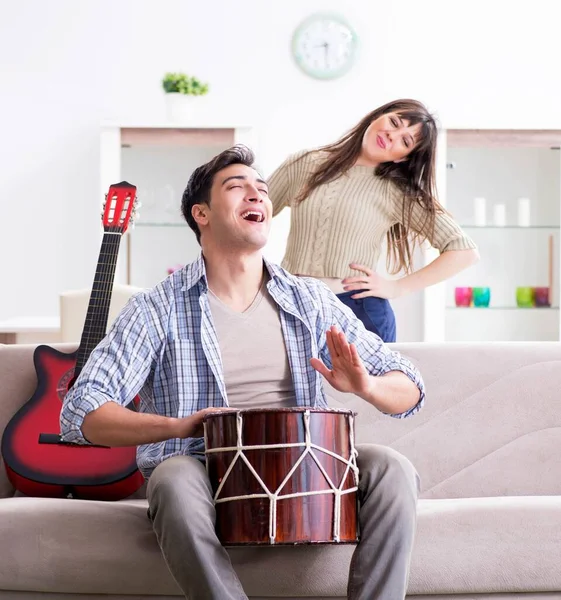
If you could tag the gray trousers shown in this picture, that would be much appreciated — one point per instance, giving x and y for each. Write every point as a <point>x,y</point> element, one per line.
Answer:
<point>182,512</point>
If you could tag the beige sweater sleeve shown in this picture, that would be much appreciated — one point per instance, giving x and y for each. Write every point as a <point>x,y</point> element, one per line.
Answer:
<point>286,181</point>
<point>447,235</point>
<point>279,187</point>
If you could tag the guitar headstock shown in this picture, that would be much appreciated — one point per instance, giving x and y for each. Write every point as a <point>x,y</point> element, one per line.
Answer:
<point>119,208</point>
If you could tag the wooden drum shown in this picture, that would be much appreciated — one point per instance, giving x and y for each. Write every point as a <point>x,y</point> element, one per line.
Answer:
<point>283,476</point>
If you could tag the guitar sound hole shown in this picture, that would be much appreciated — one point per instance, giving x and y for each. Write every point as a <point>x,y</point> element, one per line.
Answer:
<point>65,383</point>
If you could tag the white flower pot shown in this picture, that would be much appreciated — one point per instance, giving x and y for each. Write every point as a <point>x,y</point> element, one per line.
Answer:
<point>179,107</point>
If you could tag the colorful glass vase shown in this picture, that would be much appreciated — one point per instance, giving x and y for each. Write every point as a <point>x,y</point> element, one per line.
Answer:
<point>463,296</point>
<point>541,296</point>
<point>481,296</point>
<point>525,297</point>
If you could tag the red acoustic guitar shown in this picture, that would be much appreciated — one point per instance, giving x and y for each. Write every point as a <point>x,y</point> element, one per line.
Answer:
<point>38,462</point>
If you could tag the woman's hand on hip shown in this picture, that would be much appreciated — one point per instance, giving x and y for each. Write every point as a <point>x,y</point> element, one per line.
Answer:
<point>370,284</point>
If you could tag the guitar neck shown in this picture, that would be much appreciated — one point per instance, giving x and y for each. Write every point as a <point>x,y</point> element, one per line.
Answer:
<point>100,299</point>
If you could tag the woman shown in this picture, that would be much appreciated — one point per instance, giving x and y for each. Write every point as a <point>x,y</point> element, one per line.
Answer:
<point>376,182</point>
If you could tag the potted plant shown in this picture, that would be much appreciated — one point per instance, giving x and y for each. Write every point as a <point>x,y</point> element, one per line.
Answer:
<point>181,90</point>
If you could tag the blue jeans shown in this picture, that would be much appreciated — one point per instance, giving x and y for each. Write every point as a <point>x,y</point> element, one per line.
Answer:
<point>376,314</point>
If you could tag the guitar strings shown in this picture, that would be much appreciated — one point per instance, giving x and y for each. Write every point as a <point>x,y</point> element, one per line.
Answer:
<point>100,298</point>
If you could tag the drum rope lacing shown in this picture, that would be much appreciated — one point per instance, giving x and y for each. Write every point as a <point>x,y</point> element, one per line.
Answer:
<point>276,495</point>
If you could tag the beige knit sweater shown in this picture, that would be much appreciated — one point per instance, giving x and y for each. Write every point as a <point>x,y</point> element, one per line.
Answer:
<point>345,220</point>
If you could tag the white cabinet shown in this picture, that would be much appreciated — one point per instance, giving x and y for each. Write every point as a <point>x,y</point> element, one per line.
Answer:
<point>518,240</point>
<point>159,159</point>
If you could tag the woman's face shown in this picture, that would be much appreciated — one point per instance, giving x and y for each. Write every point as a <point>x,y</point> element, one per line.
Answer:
<point>389,138</point>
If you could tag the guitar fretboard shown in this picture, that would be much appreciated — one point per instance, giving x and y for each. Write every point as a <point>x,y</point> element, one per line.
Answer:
<point>100,298</point>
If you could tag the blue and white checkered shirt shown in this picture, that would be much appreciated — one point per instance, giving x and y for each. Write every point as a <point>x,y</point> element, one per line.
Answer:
<point>163,347</point>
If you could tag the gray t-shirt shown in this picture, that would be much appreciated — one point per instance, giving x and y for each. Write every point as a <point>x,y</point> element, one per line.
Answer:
<point>254,358</point>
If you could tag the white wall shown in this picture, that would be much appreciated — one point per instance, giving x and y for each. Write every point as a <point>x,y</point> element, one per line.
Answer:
<point>67,65</point>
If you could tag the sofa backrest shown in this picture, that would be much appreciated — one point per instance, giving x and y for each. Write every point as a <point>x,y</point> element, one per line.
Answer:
<point>491,425</point>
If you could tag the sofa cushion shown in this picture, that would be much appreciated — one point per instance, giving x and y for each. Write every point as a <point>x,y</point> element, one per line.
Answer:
<point>463,546</point>
<point>488,545</point>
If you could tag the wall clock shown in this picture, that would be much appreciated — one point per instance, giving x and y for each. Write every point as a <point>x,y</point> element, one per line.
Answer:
<point>324,46</point>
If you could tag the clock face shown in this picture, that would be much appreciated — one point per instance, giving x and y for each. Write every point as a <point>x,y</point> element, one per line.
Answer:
<point>324,46</point>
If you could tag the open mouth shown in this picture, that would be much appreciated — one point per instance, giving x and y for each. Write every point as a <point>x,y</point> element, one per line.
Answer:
<point>254,216</point>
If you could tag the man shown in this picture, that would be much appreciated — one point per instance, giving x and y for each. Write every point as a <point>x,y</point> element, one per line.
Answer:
<point>232,329</point>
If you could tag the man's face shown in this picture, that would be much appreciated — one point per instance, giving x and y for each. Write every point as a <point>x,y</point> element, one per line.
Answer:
<point>240,212</point>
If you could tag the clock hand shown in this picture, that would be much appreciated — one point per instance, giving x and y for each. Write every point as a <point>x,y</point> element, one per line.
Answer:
<point>325,46</point>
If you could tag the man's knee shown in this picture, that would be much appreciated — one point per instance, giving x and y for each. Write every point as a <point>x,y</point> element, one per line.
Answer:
<point>180,479</point>
<point>383,463</point>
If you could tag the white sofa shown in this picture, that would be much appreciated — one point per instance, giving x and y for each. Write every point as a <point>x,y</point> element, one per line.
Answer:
<point>488,449</point>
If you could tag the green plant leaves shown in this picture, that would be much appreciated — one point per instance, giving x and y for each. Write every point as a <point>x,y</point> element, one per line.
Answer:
<point>184,84</point>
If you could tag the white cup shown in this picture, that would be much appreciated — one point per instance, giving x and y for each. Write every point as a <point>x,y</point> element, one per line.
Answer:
<point>479,207</point>
<point>524,212</point>
<point>499,215</point>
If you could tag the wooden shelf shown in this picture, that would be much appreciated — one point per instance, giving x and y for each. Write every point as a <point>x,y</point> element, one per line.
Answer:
<point>160,136</point>
<point>484,308</point>
<point>530,227</point>
<point>172,125</point>
<point>198,133</point>
<point>502,138</point>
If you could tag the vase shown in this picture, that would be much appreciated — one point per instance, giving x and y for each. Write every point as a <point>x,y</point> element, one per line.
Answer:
<point>541,296</point>
<point>525,297</point>
<point>523,212</point>
<point>499,213</point>
<point>462,296</point>
<point>479,208</point>
<point>481,296</point>
<point>179,107</point>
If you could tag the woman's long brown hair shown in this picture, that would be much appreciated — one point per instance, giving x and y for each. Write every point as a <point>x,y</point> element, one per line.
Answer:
<point>415,177</point>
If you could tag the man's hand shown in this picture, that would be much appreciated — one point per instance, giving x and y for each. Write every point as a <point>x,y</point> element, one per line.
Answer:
<point>192,426</point>
<point>349,373</point>
<point>392,393</point>
<point>114,425</point>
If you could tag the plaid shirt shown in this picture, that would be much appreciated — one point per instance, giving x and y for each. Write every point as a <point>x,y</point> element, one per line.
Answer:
<point>163,347</point>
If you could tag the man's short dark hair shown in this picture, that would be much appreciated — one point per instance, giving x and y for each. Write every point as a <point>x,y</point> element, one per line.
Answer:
<point>200,182</point>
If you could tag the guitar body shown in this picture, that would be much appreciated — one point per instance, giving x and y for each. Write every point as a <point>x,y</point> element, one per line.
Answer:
<point>38,462</point>
<point>56,469</point>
